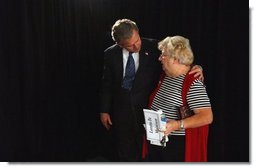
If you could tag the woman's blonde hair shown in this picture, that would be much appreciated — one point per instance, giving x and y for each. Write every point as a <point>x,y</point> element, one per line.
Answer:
<point>177,47</point>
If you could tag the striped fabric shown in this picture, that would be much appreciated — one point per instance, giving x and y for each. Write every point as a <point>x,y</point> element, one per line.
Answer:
<point>169,98</point>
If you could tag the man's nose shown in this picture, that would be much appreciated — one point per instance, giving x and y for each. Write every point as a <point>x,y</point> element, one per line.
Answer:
<point>136,46</point>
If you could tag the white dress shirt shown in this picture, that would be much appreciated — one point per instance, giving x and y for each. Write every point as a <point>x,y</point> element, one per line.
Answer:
<point>125,59</point>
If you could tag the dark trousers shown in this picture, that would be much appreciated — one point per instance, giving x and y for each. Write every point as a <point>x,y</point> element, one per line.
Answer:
<point>173,152</point>
<point>128,129</point>
<point>129,147</point>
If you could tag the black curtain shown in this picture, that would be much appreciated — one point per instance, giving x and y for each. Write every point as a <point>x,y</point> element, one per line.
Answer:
<point>51,57</point>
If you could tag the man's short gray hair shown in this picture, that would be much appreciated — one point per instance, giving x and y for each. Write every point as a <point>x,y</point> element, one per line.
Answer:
<point>123,29</point>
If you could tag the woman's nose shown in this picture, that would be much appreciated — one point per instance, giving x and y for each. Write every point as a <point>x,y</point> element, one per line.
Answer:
<point>160,58</point>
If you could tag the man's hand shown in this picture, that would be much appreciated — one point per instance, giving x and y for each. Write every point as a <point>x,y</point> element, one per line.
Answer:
<point>105,120</point>
<point>198,72</point>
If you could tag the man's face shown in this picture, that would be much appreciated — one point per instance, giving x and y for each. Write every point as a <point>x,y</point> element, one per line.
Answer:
<point>133,44</point>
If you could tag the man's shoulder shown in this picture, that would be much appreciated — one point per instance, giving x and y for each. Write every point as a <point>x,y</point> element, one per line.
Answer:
<point>112,48</point>
<point>150,45</point>
<point>112,51</point>
<point>149,40</point>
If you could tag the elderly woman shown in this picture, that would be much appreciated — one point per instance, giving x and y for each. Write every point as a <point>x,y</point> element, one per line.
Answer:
<point>176,59</point>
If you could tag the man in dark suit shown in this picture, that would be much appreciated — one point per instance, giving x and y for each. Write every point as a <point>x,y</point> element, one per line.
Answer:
<point>131,73</point>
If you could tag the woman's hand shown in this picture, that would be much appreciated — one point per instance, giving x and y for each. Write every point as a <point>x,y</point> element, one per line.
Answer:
<point>171,126</point>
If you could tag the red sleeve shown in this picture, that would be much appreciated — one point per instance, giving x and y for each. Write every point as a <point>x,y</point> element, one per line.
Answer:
<point>195,138</point>
<point>196,144</point>
<point>145,144</point>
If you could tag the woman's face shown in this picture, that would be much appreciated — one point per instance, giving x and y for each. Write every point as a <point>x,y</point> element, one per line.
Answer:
<point>167,63</point>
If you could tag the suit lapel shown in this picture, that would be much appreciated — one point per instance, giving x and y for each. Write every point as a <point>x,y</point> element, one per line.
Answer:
<point>142,61</point>
<point>141,68</point>
<point>119,64</point>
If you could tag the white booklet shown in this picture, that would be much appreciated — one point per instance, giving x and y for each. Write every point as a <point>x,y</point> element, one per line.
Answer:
<point>155,123</point>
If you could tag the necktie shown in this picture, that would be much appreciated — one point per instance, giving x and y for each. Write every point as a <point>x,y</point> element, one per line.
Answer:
<point>129,73</point>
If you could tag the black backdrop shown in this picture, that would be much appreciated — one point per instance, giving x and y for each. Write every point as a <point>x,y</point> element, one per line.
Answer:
<point>51,55</point>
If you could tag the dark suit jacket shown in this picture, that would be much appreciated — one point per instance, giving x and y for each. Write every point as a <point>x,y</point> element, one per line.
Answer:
<point>128,107</point>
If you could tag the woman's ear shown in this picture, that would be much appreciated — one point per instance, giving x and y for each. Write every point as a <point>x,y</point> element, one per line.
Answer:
<point>175,61</point>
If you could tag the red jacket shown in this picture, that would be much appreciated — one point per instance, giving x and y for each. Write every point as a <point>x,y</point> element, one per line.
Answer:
<point>195,138</point>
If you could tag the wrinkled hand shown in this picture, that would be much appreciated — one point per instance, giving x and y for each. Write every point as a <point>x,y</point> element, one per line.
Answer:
<point>171,126</point>
<point>198,72</point>
<point>105,120</point>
